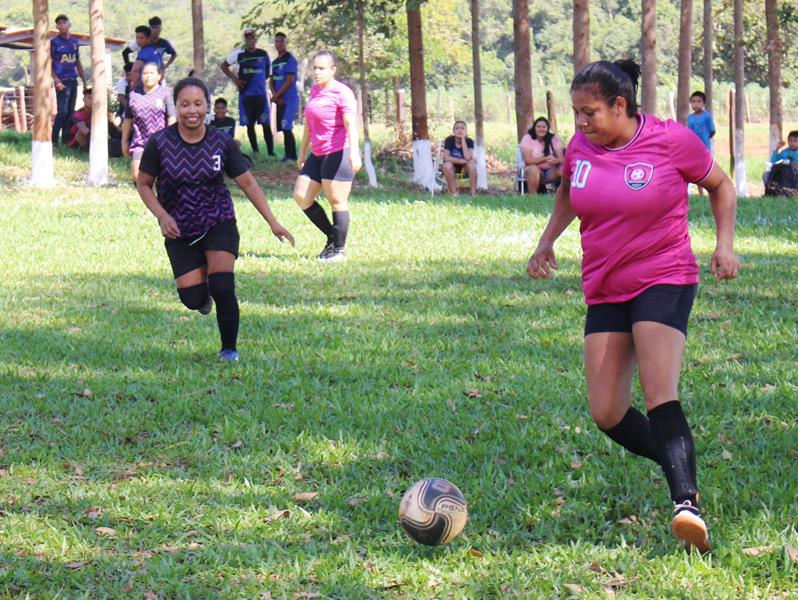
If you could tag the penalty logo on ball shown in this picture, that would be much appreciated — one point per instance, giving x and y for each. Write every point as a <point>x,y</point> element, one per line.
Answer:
<point>433,511</point>
<point>638,175</point>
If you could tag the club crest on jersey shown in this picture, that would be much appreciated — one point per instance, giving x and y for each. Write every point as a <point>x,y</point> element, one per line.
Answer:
<point>638,175</point>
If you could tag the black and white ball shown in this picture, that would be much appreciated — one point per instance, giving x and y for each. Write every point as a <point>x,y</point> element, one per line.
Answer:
<point>433,511</point>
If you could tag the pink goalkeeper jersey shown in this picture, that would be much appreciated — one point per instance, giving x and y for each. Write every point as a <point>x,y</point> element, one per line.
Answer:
<point>324,115</point>
<point>632,204</point>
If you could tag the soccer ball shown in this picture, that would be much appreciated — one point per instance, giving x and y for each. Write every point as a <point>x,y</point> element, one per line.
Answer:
<point>433,511</point>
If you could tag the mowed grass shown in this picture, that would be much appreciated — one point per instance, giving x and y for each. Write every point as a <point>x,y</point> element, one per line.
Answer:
<point>134,464</point>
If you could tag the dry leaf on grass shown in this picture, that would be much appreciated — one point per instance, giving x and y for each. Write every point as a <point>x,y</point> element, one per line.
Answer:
<point>305,496</point>
<point>559,501</point>
<point>574,587</point>
<point>473,393</point>
<point>93,513</point>
<point>392,585</point>
<point>356,501</point>
<point>75,565</point>
<point>286,405</point>
<point>452,405</point>
<point>726,455</point>
<point>109,531</point>
<point>299,595</point>
<point>280,514</point>
<point>340,539</point>
<point>792,553</point>
<point>236,445</point>
<point>757,550</point>
<point>628,520</point>
<point>576,464</point>
<point>150,595</point>
<point>475,553</point>
<point>86,393</point>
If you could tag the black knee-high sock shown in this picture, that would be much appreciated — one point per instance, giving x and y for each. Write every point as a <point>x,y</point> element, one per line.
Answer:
<point>634,433</point>
<point>290,145</point>
<point>194,297</point>
<point>340,228</point>
<point>223,289</point>
<point>319,218</point>
<point>253,137</point>
<point>267,135</point>
<point>676,450</point>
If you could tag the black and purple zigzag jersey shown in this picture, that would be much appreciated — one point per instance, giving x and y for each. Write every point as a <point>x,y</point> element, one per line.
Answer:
<point>190,177</point>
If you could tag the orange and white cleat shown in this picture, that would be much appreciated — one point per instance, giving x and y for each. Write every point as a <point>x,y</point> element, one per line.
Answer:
<point>689,527</point>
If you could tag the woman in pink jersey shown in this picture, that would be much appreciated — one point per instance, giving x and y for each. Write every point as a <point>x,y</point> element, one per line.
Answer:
<point>625,176</point>
<point>331,133</point>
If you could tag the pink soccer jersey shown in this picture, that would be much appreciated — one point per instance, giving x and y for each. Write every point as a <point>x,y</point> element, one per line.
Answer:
<point>324,115</point>
<point>632,204</point>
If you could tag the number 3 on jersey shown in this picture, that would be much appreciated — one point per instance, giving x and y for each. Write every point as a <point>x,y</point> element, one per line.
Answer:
<point>217,162</point>
<point>581,171</point>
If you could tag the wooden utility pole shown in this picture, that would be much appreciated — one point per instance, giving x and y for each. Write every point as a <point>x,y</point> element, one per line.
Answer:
<point>648,54</point>
<point>42,152</point>
<point>199,38</point>
<point>524,101</point>
<point>98,148</point>
<point>685,62</point>
<point>364,93</point>
<point>482,171</point>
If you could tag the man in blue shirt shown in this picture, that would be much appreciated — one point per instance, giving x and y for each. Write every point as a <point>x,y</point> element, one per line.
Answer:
<point>254,68</point>
<point>66,67</point>
<point>789,154</point>
<point>146,54</point>
<point>159,44</point>
<point>285,93</point>
<point>700,121</point>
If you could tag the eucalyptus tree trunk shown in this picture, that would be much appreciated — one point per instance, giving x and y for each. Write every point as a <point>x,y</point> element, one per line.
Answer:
<point>685,62</point>
<point>98,146</point>
<point>581,27</point>
<point>739,101</point>
<point>648,55</point>
<point>364,93</point>
<point>479,150</point>
<point>774,74</point>
<point>709,50</point>
<point>524,102</point>
<point>42,150</point>
<point>199,38</point>
<point>423,174</point>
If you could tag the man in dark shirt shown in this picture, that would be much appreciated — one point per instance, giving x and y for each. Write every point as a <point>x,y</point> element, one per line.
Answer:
<point>159,44</point>
<point>284,93</point>
<point>254,67</point>
<point>221,121</point>
<point>66,67</point>
<point>458,157</point>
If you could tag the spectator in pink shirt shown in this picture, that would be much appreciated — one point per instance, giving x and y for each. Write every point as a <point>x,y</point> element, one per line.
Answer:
<point>331,134</point>
<point>625,176</point>
<point>542,151</point>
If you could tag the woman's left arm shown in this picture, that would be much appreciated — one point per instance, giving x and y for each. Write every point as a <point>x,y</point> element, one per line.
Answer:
<point>723,197</point>
<point>250,187</point>
<point>350,123</point>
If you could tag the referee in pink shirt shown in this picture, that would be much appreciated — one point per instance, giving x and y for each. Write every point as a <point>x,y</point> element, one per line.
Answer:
<point>331,134</point>
<point>625,177</point>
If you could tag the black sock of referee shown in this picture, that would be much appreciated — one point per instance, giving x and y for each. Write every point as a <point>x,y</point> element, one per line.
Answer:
<point>290,145</point>
<point>319,218</point>
<point>267,135</point>
<point>676,450</point>
<point>253,137</point>
<point>340,228</point>
<point>634,433</point>
<point>223,289</point>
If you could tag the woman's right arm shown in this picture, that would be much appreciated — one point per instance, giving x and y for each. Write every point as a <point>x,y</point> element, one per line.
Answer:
<point>144,183</point>
<point>542,260</point>
<point>127,124</point>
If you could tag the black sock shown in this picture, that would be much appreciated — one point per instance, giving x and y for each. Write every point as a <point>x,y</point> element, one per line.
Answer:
<point>634,433</point>
<point>267,135</point>
<point>253,137</point>
<point>223,289</point>
<point>340,228</point>
<point>195,296</point>
<point>676,450</point>
<point>290,145</point>
<point>320,219</point>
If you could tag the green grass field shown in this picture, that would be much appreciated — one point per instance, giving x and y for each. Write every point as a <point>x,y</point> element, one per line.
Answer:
<point>134,464</point>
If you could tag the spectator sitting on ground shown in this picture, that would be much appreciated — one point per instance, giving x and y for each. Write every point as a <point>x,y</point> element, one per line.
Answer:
<point>458,157</point>
<point>543,156</point>
<point>221,121</point>
<point>123,90</point>
<point>781,176</point>
<point>80,130</point>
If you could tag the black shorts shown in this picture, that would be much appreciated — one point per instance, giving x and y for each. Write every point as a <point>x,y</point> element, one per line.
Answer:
<point>664,303</point>
<point>254,109</point>
<point>335,167</point>
<point>188,253</point>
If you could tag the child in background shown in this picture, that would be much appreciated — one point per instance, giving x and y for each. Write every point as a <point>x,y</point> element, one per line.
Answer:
<point>701,123</point>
